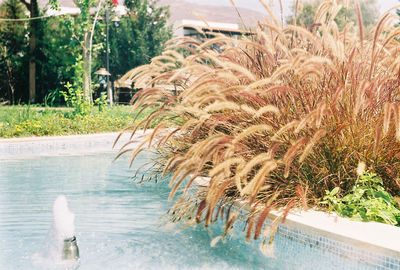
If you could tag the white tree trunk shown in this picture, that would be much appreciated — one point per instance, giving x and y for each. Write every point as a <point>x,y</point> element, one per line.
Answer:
<point>87,93</point>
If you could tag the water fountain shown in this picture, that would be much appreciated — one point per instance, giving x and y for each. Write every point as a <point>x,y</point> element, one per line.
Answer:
<point>61,248</point>
<point>65,228</point>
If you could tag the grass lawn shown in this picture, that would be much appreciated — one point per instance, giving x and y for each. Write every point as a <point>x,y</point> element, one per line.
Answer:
<point>26,121</point>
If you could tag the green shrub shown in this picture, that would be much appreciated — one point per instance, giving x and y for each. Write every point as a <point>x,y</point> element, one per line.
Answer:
<point>367,201</point>
<point>74,97</point>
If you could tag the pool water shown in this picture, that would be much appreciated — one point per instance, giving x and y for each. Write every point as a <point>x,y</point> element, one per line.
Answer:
<point>117,220</point>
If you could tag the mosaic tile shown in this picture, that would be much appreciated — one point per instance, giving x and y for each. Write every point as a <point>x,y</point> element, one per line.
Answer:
<point>335,253</point>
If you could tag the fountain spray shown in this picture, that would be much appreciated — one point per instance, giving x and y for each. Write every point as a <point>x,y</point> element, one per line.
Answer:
<point>65,228</point>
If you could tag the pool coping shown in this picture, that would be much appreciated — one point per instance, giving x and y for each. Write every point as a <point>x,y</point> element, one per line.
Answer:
<point>369,236</point>
<point>66,145</point>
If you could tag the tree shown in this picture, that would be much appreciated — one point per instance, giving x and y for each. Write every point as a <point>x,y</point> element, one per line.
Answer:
<point>347,14</point>
<point>85,36</point>
<point>140,36</point>
<point>59,59</point>
<point>81,29</point>
<point>13,51</point>
<point>65,45</point>
<point>33,9</point>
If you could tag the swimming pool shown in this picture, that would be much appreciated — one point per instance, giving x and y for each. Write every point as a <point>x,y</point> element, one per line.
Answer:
<point>118,222</point>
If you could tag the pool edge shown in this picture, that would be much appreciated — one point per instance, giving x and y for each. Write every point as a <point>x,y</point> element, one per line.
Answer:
<point>70,144</point>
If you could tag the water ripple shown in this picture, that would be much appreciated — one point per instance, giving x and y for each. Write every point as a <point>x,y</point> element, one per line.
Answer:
<point>117,221</point>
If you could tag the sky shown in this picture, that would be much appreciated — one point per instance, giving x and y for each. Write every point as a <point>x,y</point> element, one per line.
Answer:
<point>255,4</point>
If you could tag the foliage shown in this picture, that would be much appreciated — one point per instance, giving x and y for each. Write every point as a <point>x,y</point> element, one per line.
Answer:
<point>138,37</point>
<point>55,55</point>
<point>367,201</point>
<point>101,102</point>
<point>62,57</point>
<point>74,97</point>
<point>13,52</point>
<point>61,45</point>
<point>25,121</point>
<point>60,60</point>
<point>273,119</point>
<point>347,14</point>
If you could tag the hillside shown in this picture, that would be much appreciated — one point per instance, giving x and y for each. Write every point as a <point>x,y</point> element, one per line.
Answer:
<point>181,9</point>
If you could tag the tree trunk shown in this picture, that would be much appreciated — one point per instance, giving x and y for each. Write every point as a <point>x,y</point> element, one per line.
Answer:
<point>86,67</point>
<point>32,68</point>
<point>34,12</point>
<point>9,78</point>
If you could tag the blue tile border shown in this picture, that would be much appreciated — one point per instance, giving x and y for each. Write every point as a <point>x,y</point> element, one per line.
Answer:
<point>360,258</point>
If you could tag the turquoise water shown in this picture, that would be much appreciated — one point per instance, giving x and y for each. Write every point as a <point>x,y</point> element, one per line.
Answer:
<point>117,221</point>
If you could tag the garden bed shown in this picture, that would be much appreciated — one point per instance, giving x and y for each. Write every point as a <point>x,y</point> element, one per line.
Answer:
<point>26,121</point>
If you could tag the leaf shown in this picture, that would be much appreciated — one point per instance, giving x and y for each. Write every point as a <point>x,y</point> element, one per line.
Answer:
<point>384,195</point>
<point>334,191</point>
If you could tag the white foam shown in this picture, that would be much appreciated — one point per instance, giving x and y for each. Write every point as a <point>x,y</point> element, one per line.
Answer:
<point>50,255</point>
<point>63,218</point>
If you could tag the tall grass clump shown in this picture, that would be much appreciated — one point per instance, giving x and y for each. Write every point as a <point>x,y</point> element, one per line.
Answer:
<point>274,119</point>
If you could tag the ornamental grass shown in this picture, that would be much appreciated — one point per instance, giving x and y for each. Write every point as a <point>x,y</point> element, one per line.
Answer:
<point>275,118</point>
